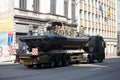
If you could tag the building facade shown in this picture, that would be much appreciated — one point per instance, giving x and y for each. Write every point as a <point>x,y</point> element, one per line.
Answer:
<point>90,17</point>
<point>25,15</point>
<point>118,25</point>
<point>35,14</point>
<point>99,17</point>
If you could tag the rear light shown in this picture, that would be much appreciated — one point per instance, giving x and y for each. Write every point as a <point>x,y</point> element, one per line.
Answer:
<point>35,61</point>
<point>16,60</point>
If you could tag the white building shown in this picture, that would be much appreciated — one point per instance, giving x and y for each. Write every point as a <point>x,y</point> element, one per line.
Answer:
<point>118,25</point>
<point>34,14</point>
<point>99,17</point>
<point>93,17</point>
<point>87,16</point>
<point>25,15</point>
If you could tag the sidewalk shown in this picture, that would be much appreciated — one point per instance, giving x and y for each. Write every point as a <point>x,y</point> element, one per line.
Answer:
<point>7,60</point>
<point>7,63</point>
<point>112,57</point>
<point>12,62</point>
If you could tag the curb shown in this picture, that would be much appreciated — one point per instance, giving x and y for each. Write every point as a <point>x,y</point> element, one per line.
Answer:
<point>112,57</point>
<point>7,63</point>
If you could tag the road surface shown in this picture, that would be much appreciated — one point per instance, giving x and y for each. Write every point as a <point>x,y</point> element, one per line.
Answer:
<point>107,70</point>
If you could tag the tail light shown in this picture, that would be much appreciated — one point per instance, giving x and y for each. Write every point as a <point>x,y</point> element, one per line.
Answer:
<point>16,60</point>
<point>35,61</point>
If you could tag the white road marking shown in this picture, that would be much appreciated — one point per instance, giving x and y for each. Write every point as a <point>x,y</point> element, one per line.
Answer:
<point>95,69</point>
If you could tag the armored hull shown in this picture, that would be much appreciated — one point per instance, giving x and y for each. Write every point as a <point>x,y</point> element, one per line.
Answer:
<point>52,42</point>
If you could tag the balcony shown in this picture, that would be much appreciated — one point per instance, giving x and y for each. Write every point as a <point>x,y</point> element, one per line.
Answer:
<point>27,14</point>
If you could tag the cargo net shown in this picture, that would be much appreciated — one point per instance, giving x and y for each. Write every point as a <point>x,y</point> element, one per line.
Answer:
<point>62,30</point>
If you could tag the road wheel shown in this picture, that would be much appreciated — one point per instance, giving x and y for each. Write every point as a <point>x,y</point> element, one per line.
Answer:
<point>100,60</point>
<point>39,66</point>
<point>51,64</point>
<point>66,63</point>
<point>90,58</point>
<point>66,60</point>
<point>30,66</point>
<point>59,63</point>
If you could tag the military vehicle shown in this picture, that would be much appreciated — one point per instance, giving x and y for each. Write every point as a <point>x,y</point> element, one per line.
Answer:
<point>60,50</point>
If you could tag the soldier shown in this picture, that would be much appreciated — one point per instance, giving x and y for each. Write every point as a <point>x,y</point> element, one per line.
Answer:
<point>30,33</point>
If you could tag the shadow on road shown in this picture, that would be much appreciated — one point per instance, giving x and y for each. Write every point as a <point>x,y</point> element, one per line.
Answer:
<point>107,61</point>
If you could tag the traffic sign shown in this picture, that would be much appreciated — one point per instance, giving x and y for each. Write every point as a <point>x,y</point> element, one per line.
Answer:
<point>10,39</point>
<point>35,51</point>
<point>10,34</point>
<point>1,52</point>
<point>11,51</point>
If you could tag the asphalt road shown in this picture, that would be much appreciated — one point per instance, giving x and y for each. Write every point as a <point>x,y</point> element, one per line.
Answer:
<point>107,70</point>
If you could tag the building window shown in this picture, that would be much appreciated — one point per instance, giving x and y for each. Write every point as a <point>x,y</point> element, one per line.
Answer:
<point>118,39</point>
<point>105,19</point>
<point>93,31</point>
<point>85,15</point>
<point>23,4</point>
<point>88,16</point>
<point>66,8</point>
<point>95,3</point>
<point>92,17</point>
<point>73,9</point>
<point>96,18</point>
<point>53,6</point>
<point>35,30</point>
<point>86,1</point>
<point>81,14</point>
<point>89,31</point>
<point>89,2</point>
<point>36,5</point>
<point>99,19</point>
